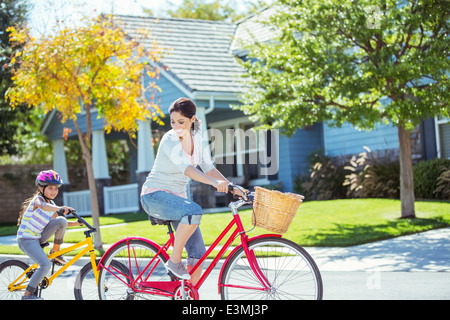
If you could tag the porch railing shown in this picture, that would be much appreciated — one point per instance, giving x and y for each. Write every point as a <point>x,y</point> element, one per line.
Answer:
<point>121,199</point>
<point>79,200</point>
<point>117,199</point>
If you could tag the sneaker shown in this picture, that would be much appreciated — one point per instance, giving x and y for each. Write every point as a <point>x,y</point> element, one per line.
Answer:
<point>178,270</point>
<point>31,297</point>
<point>59,260</point>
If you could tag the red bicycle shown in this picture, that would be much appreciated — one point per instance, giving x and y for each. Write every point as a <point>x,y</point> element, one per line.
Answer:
<point>262,267</point>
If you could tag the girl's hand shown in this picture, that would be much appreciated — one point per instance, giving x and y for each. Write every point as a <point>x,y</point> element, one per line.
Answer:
<point>66,209</point>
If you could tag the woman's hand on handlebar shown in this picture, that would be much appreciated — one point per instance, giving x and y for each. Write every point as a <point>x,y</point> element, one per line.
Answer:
<point>239,193</point>
<point>222,186</point>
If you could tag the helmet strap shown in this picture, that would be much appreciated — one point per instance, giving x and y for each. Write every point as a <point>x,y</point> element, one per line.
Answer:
<point>42,193</point>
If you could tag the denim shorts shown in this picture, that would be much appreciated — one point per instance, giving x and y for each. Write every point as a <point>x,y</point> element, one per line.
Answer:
<point>167,206</point>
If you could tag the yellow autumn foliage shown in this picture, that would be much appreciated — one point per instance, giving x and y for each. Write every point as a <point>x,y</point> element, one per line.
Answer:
<point>93,66</point>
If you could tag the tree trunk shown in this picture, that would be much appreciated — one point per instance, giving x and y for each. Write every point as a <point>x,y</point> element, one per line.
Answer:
<point>92,186</point>
<point>406,174</point>
<point>94,201</point>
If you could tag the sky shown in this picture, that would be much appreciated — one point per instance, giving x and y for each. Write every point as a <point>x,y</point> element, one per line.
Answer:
<point>44,13</point>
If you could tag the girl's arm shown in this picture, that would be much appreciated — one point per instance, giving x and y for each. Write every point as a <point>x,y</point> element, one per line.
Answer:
<point>44,205</point>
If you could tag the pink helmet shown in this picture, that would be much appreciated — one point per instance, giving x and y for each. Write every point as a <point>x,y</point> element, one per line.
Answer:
<point>45,178</point>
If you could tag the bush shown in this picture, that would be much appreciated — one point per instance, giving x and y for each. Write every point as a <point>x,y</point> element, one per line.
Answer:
<point>325,181</point>
<point>372,178</point>
<point>443,183</point>
<point>430,179</point>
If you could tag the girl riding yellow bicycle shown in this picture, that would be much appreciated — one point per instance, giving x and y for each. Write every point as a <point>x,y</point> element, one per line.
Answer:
<point>38,221</point>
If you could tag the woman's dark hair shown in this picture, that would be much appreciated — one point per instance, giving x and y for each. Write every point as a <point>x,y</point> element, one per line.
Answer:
<point>187,108</point>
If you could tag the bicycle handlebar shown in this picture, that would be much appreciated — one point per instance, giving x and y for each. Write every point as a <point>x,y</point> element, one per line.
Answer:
<point>80,219</point>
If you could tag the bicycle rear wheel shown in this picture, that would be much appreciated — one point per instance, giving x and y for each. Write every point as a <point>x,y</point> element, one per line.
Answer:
<point>9,272</point>
<point>138,262</point>
<point>288,268</point>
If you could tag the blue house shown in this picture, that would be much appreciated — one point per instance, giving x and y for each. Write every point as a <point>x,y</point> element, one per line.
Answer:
<point>202,66</point>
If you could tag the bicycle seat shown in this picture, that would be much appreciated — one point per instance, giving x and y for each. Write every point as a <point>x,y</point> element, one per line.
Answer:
<point>155,221</point>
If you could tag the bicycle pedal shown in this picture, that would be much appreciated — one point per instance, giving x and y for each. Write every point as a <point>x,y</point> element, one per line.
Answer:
<point>59,264</point>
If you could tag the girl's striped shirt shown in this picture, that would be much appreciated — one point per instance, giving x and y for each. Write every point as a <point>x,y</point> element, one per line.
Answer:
<point>34,220</point>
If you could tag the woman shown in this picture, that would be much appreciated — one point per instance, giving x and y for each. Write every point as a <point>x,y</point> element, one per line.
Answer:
<point>164,195</point>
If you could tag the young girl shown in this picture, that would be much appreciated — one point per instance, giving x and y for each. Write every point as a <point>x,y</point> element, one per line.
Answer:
<point>163,194</point>
<point>38,221</point>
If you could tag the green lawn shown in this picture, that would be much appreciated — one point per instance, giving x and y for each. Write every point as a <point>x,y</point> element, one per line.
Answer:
<point>332,223</point>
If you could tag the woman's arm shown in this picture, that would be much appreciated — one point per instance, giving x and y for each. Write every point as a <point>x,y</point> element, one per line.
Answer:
<point>217,175</point>
<point>213,180</point>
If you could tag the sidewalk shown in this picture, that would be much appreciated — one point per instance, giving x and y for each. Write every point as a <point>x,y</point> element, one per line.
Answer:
<point>426,251</point>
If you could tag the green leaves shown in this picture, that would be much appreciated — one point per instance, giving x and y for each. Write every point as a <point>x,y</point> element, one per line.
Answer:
<point>350,61</point>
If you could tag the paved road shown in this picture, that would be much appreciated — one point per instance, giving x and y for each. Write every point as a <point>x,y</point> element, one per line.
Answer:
<point>415,267</point>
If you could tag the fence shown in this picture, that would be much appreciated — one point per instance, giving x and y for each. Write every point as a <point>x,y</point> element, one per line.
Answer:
<point>117,199</point>
<point>79,200</point>
<point>120,199</point>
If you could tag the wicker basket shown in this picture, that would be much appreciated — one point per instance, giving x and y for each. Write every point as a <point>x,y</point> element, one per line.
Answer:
<point>274,210</point>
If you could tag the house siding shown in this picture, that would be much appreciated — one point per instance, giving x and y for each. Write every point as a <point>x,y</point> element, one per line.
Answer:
<point>348,140</point>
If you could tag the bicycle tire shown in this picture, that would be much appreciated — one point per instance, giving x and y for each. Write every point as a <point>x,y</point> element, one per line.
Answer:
<point>290,270</point>
<point>114,285</point>
<point>9,271</point>
<point>85,287</point>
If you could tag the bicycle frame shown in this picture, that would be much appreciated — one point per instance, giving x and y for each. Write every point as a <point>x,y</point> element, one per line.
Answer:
<point>89,247</point>
<point>167,288</point>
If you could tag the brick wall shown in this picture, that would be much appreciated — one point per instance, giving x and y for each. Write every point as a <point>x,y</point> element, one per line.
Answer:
<point>17,185</point>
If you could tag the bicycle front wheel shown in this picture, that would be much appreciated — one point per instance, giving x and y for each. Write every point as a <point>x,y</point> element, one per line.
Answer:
<point>9,272</point>
<point>288,270</point>
<point>126,266</point>
<point>85,287</point>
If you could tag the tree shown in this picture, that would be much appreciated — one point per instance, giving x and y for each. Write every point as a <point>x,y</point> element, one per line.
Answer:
<point>92,66</point>
<point>361,62</point>
<point>216,10</point>
<point>11,12</point>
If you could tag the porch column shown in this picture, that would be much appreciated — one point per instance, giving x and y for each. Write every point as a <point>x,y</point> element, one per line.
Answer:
<point>202,117</point>
<point>145,153</point>
<point>60,166</point>
<point>100,166</point>
<point>199,192</point>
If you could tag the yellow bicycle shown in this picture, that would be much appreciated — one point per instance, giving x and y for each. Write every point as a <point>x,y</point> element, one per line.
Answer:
<point>15,274</point>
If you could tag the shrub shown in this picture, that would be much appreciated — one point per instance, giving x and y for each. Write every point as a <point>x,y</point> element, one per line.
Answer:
<point>370,177</point>
<point>427,175</point>
<point>443,183</point>
<point>325,181</point>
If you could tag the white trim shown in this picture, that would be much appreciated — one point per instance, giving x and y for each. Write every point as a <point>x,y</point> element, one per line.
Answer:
<point>437,123</point>
<point>172,80</point>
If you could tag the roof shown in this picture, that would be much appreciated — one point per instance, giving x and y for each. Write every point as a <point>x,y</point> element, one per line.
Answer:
<point>200,50</point>
<point>252,29</point>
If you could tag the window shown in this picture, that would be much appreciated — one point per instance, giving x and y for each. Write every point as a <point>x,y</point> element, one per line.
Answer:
<point>239,150</point>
